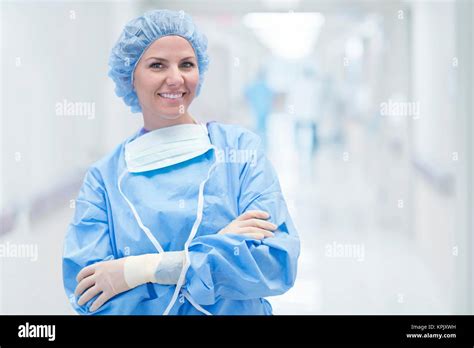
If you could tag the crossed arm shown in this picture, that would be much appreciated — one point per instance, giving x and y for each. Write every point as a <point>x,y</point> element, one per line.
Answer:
<point>110,278</point>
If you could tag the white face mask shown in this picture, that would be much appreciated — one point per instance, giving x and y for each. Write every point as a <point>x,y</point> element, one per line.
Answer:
<point>166,146</point>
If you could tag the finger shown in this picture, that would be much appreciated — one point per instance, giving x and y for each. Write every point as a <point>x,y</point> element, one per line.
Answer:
<point>257,230</point>
<point>258,236</point>
<point>99,302</point>
<point>88,295</point>
<point>266,225</point>
<point>85,272</point>
<point>84,284</point>
<point>259,214</point>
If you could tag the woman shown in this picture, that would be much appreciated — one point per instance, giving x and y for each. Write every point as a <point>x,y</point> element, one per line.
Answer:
<point>163,225</point>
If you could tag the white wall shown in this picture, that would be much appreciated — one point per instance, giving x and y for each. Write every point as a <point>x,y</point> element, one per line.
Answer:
<point>439,133</point>
<point>57,52</point>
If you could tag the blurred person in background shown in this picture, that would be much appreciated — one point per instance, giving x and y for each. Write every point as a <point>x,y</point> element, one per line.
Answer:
<point>260,97</point>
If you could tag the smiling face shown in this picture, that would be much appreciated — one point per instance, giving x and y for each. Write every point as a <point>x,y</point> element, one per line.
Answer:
<point>165,80</point>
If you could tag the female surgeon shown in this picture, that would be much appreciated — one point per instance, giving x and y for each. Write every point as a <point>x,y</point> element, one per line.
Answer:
<point>168,223</point>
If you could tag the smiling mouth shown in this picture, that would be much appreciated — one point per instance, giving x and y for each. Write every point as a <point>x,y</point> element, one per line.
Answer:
<point>172,96</point>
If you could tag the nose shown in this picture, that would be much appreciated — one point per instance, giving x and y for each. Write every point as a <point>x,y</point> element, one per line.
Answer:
<point>174,77</point>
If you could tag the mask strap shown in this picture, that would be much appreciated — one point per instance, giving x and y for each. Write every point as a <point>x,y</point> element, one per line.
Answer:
<point>156,243</point>
<point>195,305</point>
<point>194,229</point>
<point>145,229</point>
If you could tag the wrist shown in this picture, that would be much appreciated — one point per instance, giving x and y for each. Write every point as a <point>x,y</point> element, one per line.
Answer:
<point>169,270</point>
<point>140,269</point>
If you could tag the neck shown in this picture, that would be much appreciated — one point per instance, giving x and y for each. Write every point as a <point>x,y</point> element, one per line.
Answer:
<point>156,122</point>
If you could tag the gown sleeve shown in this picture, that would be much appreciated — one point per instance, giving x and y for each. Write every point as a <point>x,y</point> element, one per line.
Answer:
<point>237,267</point>
<point>88,240</point>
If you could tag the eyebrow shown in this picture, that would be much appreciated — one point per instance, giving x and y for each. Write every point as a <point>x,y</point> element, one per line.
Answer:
<point>165,60</point>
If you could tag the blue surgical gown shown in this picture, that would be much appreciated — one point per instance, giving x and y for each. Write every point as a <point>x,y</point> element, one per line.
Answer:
<point>229,274</point>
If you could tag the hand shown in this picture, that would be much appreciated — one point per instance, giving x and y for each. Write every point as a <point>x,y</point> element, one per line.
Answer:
<point>252,224</point>
<point>105,277</point>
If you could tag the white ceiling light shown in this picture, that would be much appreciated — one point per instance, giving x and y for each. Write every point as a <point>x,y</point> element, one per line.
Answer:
<point>287,34</point>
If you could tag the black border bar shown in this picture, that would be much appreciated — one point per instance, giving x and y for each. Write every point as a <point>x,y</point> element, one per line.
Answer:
<point>455,331</point>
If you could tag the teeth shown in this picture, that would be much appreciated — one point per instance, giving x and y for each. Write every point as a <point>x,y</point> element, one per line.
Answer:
<point>171,96</point>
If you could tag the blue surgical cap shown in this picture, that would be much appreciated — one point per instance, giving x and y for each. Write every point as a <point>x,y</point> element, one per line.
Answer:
<point>138,35</point>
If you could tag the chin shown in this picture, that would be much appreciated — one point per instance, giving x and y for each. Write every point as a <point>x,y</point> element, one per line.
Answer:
<point>171,116</point>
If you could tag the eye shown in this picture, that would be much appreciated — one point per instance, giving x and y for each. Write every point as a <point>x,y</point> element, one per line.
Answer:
<point>154,65</point>
<point>188,64</point>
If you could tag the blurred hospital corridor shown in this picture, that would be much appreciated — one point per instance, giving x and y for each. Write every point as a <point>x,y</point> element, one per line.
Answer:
<point>364,108</point>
